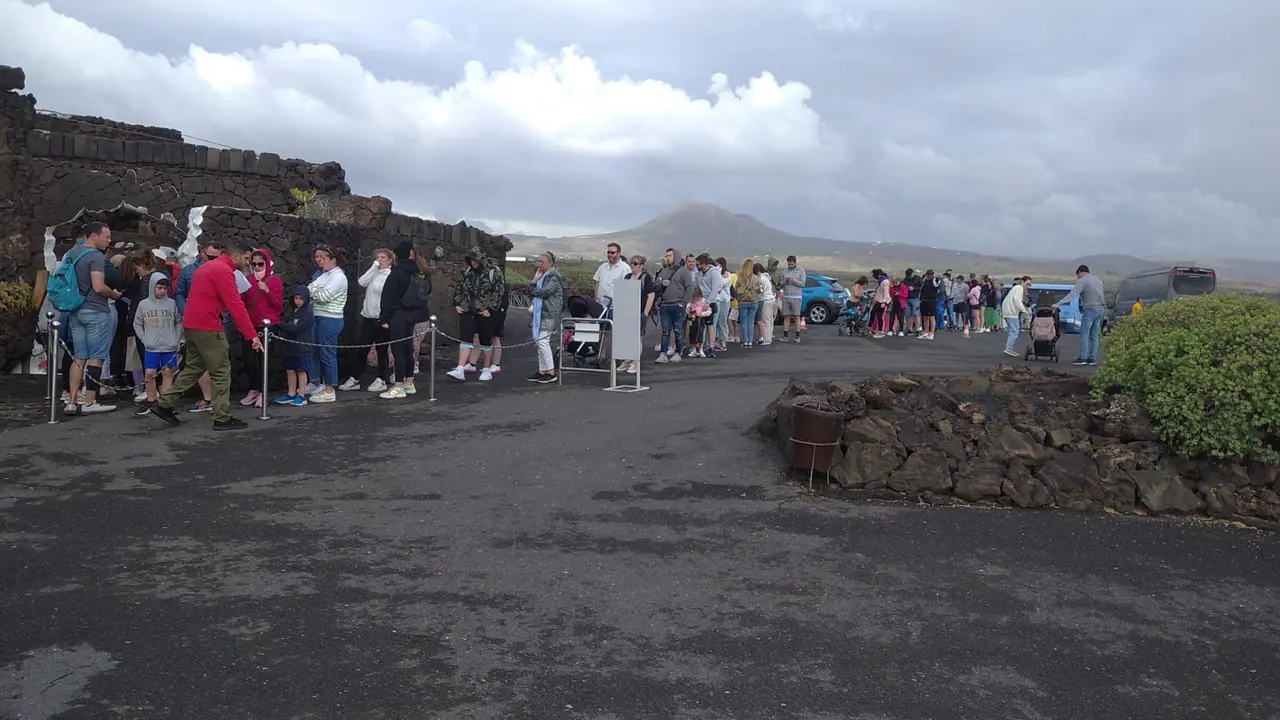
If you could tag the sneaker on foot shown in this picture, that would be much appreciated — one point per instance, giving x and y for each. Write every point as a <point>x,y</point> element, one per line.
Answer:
<point>230,424</point>
<point>140,398</point>
<point>298,401</point>
<point>377,385</point>
<point>535,377</point>
<point>633,367</point>
<point>485,375</point>
<point>547,378</point>
<point>202,406</point>
<point>144,409</point>
<point>675,358</point>
<point>459,373</point>
<point>495,369</point>
<point>312,389</point>
<point>663,358</point>
<point>1091,362</point>
<point>285,399</point>
<point>249,398</point>
<point>165,414</point>
<point>350,384</point>
<point>468,368</point>
<point>395,393</point>
<point>1011,353</point>
<point>409,388</point>
<point>324,396</point>
<point>1080,361</point>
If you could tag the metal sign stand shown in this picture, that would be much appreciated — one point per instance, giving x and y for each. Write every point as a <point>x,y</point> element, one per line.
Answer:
<point>54,362</point>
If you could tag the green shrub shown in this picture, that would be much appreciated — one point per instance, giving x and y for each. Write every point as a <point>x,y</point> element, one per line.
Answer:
<point>1207,371</point>
<point>579,281</point>
<point>513,276</point>
<point>16,297</point>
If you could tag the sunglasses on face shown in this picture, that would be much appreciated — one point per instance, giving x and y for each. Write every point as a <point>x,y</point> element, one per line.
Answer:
<point>257,263</point>
<point>612,252</point>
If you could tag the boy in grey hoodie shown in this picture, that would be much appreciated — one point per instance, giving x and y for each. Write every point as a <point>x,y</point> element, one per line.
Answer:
<point>158,325</point>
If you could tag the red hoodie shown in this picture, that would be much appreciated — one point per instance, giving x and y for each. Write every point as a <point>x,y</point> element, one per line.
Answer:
<point>264,305</point>
<point>213,292</point>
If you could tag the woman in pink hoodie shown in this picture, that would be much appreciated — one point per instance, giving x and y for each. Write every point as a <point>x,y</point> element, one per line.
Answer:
<point>263,300</point>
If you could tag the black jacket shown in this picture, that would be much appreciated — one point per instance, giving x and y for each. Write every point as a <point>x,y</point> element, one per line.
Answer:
<point>394,288</point>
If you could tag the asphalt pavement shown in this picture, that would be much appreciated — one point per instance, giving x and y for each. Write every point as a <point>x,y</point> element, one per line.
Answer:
<point>522,551</point>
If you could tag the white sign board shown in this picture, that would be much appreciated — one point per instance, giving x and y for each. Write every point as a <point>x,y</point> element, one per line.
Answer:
<point>626,320</point>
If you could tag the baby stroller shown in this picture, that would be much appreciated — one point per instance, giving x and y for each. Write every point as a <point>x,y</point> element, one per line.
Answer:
<point>584,345</point>
<point>855,319</point>
<point>1045,331</point>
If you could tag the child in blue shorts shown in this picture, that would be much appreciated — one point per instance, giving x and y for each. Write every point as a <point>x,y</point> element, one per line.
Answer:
<point>299,327</point>
<point>158,325</point>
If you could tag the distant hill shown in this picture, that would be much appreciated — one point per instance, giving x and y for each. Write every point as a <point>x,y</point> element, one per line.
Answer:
<point>698,227</point>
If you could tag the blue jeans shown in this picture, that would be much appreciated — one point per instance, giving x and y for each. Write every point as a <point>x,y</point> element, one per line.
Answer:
<point>1090,328</point>
<point>1012,326</point>
<point>91,334</point>
<point>747,321</point>
<point>324,360</point>
<point>672,317</point>
<point>913,307</point>
<point>722,320</point>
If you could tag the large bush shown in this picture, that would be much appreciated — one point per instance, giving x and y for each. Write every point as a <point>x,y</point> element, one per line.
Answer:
<point>1207,370</point>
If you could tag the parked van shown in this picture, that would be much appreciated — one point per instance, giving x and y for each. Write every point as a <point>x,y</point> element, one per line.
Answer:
<point>1156,286</point>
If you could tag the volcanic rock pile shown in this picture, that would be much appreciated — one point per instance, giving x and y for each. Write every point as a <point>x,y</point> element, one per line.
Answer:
<point>1012,436</point>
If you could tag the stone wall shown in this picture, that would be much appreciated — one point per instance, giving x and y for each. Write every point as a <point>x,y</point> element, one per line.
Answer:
<point>53,167</point>
<point>1012,437</point>
<point>293,240</point>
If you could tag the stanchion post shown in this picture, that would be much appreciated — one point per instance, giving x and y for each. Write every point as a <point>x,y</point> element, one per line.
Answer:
<point>52,361</point>
<point>431,363</point>
<point>266,364</point>
<point>48,331</point>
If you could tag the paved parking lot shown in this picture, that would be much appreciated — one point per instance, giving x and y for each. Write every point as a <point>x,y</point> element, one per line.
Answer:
<point>520,551</point>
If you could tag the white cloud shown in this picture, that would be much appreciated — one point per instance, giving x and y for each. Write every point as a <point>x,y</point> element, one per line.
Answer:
<point>838,16</point>
<point>314,101</point>
<point>425,35</point>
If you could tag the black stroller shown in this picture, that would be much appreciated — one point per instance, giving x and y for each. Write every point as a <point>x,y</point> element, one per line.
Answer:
<point>584,345</point>
<point>1045,330</point>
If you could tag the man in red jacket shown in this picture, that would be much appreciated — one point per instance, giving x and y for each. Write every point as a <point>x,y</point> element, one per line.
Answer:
<point>213,292</point>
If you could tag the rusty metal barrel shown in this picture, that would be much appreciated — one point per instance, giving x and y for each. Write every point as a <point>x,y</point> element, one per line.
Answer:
<point>815,434</point>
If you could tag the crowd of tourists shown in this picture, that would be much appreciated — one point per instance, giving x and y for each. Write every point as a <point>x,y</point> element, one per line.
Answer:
<point>138,324</point>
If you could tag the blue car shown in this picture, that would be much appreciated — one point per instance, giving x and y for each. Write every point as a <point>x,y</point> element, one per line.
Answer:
<point>1069,313</point>
<point>822,300</point>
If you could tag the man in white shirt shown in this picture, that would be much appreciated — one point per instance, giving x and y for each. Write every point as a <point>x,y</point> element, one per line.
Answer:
<point>607,275</point>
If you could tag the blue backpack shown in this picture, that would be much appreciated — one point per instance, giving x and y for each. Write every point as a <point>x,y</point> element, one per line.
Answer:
<point>63,288</point>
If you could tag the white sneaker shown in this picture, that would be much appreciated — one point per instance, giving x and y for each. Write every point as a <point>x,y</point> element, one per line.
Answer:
<point>468,368</point>
<point>485,375</point>
<point>459,373</point>
<point>494,369</point>
<point>377,385</point>
<point>633,367</point>
<point>350,384</point>
<point>97,408</point>
<point>415,367</point>
<point>312,389</point>
<point>902,334</point>
<point>70,409</point>
<point>1011,353</point>
<point>409,389</point>
<point>394,393</point>
<point>324,396</point>
<point>140,398</point>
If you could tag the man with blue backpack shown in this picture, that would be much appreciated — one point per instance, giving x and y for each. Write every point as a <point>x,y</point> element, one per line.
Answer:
<point>79,289</point>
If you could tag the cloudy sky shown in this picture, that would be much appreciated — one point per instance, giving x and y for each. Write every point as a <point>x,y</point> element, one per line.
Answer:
<point>1046,127</point>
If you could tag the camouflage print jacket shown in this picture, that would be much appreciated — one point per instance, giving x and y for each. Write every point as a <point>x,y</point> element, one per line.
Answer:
<point>479,290</point>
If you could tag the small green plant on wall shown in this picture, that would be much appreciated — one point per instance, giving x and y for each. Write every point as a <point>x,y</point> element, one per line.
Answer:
<point>310,204</point>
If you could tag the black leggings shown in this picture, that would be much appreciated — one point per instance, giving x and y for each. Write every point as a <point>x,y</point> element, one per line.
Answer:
<point>401,326</point>
<point>898,317</point>
<point>371,332</point>
<point>252,363</point>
